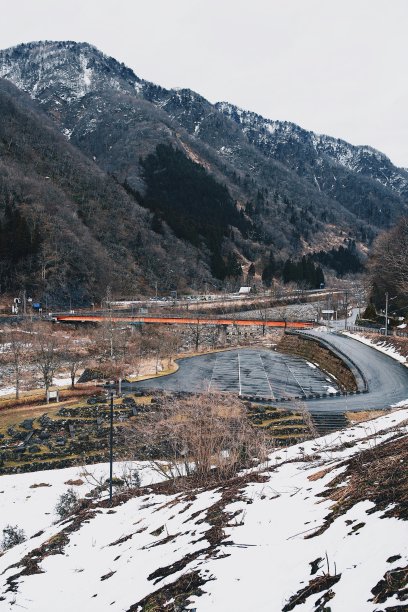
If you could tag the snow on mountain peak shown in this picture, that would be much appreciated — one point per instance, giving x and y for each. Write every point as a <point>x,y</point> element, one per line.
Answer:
<point>292,144</point>
<point>64,70</point>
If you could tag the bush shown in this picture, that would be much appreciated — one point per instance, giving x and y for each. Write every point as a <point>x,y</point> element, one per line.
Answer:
<point>12,536</point>
<point>204,437</point>
<point>130,480</point>
<point>370,313</point>
<point>67,504</point>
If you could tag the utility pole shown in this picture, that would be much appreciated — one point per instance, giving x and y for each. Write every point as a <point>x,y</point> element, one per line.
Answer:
<point>386,313</point>
<point>24,302</point>
<point>109,306</point>
<point>346,307</point>
<point>111,447</point>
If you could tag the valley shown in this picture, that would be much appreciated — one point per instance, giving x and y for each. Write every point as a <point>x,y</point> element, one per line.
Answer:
<point>203,320</point>
<point>260,200</point>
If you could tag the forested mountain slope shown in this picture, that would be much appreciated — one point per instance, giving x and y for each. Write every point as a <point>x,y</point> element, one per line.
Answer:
<point>68,228</point>
<point>284,190</point>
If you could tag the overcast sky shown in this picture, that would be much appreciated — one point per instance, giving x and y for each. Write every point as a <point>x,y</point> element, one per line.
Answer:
<point>337,67</point>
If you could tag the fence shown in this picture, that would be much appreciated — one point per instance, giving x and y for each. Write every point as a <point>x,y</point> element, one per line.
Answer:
<point>376,330</point>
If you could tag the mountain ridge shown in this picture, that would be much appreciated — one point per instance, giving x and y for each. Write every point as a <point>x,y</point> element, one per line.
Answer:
<point>89,53</point>
<point>297,192</point>
<point>348,155</point>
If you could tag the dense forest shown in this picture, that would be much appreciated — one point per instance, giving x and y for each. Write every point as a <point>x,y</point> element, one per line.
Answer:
<point>68,230</point>
<point>20,246</point>
<point>193,204</point>
<point>343,260</point>
<point>304,272</point>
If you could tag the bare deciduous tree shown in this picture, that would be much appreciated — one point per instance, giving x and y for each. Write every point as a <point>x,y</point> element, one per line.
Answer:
<point>388,264</point>
<point>76,354</point>
<point>205,437</point>
<point>15,355</point>
<point>47,353</point>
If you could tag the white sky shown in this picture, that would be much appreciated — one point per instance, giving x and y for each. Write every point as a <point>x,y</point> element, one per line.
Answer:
<point>337,67</point>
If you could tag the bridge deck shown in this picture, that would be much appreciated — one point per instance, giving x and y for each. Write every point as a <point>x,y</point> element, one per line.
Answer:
<point>184,321</point>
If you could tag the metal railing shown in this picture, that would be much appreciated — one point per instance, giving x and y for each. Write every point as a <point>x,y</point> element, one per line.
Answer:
<point>376,330</point>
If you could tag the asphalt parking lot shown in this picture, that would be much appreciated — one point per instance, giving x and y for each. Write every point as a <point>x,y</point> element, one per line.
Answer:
<point>261,373</point>
<point>268,374</point>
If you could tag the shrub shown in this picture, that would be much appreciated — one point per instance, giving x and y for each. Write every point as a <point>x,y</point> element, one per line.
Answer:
<point>205,437</point>
<point>67,503</point>
<point>370,313</point>
<point>12,536</point>
<point>130,480</point>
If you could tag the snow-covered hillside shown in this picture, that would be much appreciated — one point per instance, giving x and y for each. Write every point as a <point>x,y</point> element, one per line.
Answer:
<point>321,527</point>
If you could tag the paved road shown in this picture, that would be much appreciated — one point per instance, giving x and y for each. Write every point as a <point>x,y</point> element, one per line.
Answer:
<point>387,379</point>
<point>272,375</point>
<point>339,324</point>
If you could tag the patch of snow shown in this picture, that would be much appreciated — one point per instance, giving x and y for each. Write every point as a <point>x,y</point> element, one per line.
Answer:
<point>311,365</point>
<point>383,347</point>
<point>402,404</point>
<point>32,509</point>
<point>265,533</point>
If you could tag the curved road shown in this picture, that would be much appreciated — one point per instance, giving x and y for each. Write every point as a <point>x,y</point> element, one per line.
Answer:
<point>387,379</point>
<point>271,372</point>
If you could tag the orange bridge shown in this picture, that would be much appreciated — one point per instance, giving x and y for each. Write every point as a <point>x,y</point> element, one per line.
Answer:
<point>78,318</point>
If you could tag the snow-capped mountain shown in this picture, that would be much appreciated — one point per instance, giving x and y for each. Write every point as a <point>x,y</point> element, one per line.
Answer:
<point>60,72</point>
<point>300,148</point>
<point>295,191</point>
<point>55,73</point>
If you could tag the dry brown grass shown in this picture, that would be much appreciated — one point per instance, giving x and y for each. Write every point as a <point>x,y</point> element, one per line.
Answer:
<point>377,474</point>
<point>37,396</point>
<point>366,415</point>
<point>319,474</point>
<point>202,436</point>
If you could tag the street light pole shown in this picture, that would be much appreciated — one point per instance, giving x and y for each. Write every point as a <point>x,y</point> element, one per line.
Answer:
<point>111,447</point>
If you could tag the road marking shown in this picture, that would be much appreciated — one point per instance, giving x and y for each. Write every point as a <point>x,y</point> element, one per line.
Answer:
<point>296,380</point>
<point>212,373</point>
<point>266,375</point>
